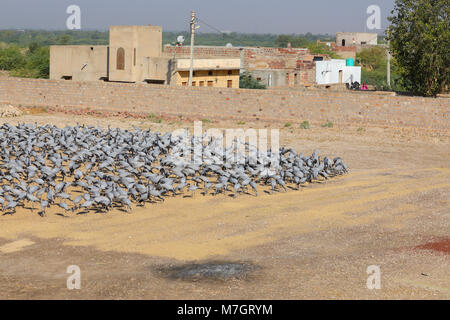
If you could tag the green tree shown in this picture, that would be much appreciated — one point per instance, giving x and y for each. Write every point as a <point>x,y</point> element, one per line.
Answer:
<point>64,39</point>
<point>295,41</point>
<point>419,37</point>
<point>246,81</point>
<point>373,58</point>
<point>11,58</point>
<point>320,48</point>
<point>373,62</point>
<point>33,47</point>
<point>37,65</point>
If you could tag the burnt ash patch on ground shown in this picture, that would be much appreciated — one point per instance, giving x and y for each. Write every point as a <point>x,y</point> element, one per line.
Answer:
<point>209,271</point>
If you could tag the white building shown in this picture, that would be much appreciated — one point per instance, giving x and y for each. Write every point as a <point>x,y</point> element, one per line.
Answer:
<point>336,71</point>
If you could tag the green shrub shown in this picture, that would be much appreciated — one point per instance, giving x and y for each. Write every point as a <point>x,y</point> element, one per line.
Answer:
<point>246,81</point>
<point>154,118</point>
<point>11,58</point>
<point>31,63</point>
<point>305,125</point>
<point>327,124</point>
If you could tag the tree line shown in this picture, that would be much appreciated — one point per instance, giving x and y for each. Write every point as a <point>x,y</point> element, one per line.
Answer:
<point>74,37</point>
<point>27,62</point>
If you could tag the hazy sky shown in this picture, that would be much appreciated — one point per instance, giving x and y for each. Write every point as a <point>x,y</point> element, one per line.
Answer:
<point>258,16</point>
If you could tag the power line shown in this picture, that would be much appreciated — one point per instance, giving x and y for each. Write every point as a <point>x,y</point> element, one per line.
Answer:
<point>210,26</point>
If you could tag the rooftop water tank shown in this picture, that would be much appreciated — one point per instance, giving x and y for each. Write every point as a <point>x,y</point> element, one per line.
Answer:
<point>350,62</point>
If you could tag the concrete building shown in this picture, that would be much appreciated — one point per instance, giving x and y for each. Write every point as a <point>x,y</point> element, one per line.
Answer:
<point>135,55</point>
<point>82,63</point>
<point>358,39</point>
<point>222,73</point>
<point>336,71</point>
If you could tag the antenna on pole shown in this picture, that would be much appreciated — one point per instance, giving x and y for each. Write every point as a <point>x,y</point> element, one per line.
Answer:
<point>180,41</point>
<point>193,27</point>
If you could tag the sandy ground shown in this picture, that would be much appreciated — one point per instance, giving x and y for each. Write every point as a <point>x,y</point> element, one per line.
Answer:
<point>392,210</point>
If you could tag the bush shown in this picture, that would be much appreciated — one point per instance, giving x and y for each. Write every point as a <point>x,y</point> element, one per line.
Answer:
<point>327,124</point>
<point>154,118</point>
<point>305,125</point>
<point>31,63</point>
<point>11,58</point>
<point>320,48</point>
<point>246,81</point>
<point>373,62</point>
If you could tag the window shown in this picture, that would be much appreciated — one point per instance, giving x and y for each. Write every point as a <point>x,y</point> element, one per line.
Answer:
<point>184,83</point>
<point>201,84</point>
<point>134,57</point>
<point>210,73</point>
<point>343,42</point>
<point>210,83</point>
<point>193,83</point>
<point>153,81</point>
<point>259,79</point>
<point>230,84</point>
<point>120,63</point>
<point>230,72</point>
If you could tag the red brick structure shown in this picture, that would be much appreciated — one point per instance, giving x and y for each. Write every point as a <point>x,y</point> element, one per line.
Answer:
<point>343,52</point>
<point>275,67</point>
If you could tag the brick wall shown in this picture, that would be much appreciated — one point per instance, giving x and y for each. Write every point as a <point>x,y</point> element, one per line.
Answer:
<point>208,51</point>
<point>291,61</point>
<point>218,103</point>
<point>253,58</point>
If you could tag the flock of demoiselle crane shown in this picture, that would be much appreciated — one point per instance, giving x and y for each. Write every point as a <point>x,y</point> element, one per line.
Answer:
<point>86,168</point>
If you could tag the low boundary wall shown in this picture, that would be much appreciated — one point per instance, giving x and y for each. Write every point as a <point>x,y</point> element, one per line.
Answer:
<point>223,103</point>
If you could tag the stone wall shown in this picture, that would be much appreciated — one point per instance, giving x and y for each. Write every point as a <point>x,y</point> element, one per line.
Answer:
<point>220,103</point>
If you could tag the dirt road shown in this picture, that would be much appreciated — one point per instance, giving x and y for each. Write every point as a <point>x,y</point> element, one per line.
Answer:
<point>392,210</point>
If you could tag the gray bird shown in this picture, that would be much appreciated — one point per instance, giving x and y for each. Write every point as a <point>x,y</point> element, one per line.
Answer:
<point>96,168</point>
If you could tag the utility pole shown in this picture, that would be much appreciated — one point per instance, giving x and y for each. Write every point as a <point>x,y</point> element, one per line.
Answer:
<point>193,27</point>
<point>388,53</point>
<point>388,66</point>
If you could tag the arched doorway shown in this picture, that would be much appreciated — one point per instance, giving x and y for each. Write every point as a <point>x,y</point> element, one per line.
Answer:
<point>120,61</point>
